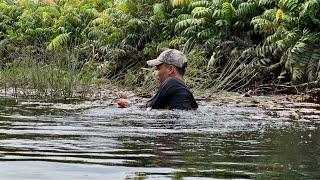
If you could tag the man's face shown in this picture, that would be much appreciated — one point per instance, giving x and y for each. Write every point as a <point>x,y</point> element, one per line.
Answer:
<point>163,72</point>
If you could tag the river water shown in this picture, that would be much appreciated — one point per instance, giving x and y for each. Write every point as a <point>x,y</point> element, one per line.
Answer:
<point>99,141</point>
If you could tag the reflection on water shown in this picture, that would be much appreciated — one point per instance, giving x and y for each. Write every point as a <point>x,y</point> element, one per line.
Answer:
<point>73,141</point>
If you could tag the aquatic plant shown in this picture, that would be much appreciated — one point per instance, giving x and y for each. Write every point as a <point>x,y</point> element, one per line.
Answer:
<point>65,77</point>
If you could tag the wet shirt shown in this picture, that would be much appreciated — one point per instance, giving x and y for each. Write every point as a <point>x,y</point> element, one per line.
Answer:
<point>173,94</point>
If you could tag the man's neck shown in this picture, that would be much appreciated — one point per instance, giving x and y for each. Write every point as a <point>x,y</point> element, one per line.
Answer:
<point>178,77</point>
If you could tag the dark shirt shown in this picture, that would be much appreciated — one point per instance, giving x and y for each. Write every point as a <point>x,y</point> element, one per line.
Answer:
<point>173,94</point>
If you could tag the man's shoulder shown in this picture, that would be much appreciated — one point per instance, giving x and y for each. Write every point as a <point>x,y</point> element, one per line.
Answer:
<point>172,84</point>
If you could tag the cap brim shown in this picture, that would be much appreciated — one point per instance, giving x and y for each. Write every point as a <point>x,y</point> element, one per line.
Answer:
<point>154,62</point>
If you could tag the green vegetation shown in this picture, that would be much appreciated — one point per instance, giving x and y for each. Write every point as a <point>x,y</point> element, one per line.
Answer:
<point>231,45</point>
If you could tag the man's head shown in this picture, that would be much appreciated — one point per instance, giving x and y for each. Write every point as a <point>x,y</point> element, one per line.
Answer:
<point>170,63</point>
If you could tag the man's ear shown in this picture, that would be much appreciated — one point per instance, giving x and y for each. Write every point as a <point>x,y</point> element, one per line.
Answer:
<point>171,69</point>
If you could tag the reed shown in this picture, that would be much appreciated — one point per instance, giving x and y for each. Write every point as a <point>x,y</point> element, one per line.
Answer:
<point>62,78</point>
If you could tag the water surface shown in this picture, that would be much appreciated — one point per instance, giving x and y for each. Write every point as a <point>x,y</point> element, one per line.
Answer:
<point>81,141</point>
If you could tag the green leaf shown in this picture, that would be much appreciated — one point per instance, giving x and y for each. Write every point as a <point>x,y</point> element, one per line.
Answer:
<point>59,41</point>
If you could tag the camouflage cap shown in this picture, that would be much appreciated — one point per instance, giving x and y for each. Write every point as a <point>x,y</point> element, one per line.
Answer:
<point>170,56</point>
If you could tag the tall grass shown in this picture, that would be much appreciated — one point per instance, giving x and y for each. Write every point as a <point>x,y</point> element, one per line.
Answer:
<point>62,77</point>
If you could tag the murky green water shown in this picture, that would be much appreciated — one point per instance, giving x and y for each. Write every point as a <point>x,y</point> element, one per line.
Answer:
<point>72,141</point>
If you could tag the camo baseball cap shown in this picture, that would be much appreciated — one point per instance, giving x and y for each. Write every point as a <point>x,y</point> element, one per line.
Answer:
<point>170,56</point>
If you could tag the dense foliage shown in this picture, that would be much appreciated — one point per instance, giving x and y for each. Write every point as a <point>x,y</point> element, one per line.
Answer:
<point>231,44</point>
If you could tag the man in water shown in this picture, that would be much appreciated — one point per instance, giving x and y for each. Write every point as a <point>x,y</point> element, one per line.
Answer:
<point>173,93</point>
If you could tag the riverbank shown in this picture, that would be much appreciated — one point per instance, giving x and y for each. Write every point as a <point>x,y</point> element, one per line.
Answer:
<point>295,107</point>
<point>109,92</point>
